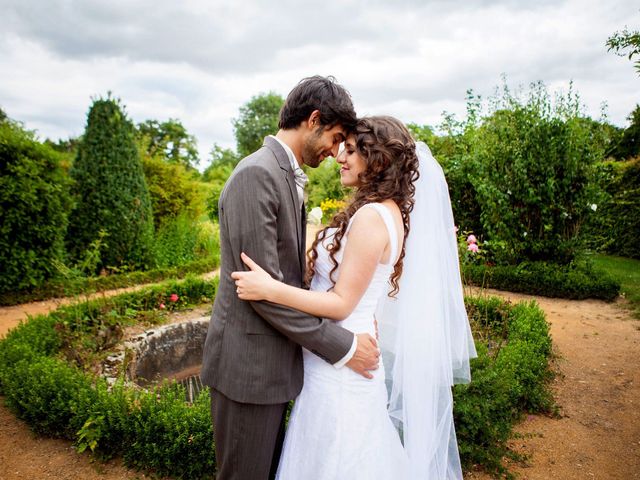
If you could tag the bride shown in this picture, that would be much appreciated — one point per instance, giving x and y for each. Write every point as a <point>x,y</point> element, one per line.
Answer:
<point>391,258</point>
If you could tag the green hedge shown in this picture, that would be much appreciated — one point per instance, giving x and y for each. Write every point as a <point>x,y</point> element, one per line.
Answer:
<point>509,377</point>
<point>74,286</point>
<point>111,193</point>
<point>614,227</point>
<point>575,281</point>
<point>34,206</point>
<point>157,431</point>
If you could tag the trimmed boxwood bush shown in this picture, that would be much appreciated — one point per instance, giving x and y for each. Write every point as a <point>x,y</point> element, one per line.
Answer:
<point>156,430</point>
<point>510,376</point>
<point>575,281</point>
<point>111,192</point>
<point>62,287</point>
<point>34,205</point>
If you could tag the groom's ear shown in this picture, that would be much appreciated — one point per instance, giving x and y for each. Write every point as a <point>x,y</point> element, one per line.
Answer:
<point>314,120</point>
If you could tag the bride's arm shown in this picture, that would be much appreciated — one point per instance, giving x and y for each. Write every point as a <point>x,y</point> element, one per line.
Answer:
<point>368,238</point>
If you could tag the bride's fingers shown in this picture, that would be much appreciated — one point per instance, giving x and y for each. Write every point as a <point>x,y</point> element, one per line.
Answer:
<point>250,263</point>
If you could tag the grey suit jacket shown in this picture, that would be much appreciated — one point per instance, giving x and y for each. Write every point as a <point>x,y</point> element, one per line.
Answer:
<point>252,352</point>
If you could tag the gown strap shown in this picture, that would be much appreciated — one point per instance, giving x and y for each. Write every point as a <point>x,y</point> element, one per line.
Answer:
<point>390,223</point>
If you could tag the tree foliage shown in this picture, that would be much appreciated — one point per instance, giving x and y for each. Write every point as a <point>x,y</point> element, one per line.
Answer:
<point>223,157</point>
<point>628,144</point>
<point>171,140</point>
<point>34,206</point>
<point>615,225</point>
<point>257,119</point>
<point>111,191</point>
<point>172,189</point>
<point>324,183</point>
<point>626,43</point>
<point>527,166</point>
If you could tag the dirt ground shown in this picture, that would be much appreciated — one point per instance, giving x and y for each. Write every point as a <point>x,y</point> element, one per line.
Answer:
<point>597,388</point>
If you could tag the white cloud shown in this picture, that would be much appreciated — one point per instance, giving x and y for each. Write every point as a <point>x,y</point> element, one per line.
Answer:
<point>199,61</point>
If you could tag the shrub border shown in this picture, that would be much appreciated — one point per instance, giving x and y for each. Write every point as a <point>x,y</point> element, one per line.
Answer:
<point>575,281</point>
<point>66,288</point>
<point>157,431</point>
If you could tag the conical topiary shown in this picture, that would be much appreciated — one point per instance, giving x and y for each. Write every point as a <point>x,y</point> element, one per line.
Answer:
<point>111,191</point>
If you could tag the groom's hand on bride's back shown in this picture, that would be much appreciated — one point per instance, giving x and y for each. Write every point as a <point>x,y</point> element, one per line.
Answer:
<point>367,356</point>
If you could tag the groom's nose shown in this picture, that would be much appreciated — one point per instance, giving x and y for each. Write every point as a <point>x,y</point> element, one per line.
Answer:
<point>334,149</point>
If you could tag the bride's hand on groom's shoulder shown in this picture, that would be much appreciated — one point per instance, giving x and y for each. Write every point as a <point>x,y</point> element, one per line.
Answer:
<point>254,284</point>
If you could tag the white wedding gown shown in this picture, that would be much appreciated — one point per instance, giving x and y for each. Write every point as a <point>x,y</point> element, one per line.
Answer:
<point>339,427</point>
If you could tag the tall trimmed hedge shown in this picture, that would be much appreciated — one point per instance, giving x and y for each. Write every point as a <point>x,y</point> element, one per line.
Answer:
<point>111,191</point>
<point>34,206</point>
<point>615,226</point>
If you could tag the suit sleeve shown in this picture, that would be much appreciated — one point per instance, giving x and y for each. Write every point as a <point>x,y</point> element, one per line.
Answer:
<point>250,213</point>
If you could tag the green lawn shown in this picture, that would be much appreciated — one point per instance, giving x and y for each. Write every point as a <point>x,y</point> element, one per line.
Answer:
<point>627,272</point>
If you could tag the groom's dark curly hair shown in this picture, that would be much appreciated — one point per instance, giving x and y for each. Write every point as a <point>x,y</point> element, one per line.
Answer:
<point>389,152</point>
<point>318,93</point>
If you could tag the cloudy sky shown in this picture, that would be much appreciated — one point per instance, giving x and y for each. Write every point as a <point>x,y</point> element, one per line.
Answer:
<point>200,60</point>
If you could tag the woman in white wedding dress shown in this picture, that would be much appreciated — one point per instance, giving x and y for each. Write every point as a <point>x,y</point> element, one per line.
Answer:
<point>342,425</point>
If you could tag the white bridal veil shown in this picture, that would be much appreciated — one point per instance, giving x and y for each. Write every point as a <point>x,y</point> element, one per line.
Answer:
<point>424,333</point>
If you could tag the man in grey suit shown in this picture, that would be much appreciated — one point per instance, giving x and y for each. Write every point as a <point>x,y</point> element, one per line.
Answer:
<point>252,355</point>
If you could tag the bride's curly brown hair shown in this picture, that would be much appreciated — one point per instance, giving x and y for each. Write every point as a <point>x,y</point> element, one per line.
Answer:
<point>389,153</point>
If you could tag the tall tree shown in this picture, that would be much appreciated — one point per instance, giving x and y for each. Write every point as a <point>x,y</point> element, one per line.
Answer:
<point>223,156</point>
<point>111,191</point>
<point>258,118</point>
<point>171,139</point>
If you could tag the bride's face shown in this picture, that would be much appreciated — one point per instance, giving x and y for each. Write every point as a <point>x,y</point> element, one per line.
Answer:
<point>351,163</point>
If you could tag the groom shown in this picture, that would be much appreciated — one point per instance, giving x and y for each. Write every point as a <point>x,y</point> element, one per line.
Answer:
<point>252,356</point>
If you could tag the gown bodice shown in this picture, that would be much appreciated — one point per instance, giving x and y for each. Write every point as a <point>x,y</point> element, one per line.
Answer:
<point>361,319</point>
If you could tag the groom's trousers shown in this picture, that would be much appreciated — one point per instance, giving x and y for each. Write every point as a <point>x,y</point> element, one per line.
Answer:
<point>248,438</point>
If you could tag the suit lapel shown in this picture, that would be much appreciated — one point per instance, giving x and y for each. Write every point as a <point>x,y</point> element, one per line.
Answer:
<point>285,165</point>
<point>303,241</point>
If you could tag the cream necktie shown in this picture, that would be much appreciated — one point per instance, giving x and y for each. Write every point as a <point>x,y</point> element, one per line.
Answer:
<point>301,180</point>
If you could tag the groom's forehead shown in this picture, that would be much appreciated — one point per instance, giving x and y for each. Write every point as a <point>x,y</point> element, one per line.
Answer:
<point>338,132</point>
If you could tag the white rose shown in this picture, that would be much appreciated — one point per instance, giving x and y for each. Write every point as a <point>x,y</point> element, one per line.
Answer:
<point>315,216</point>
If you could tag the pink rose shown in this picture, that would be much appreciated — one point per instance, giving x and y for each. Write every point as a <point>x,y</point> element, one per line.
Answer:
<point>162,307</point>
<point>473,247</point>
<point>174,297</point>
<point>455,228</point>
<point>471,239</point>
